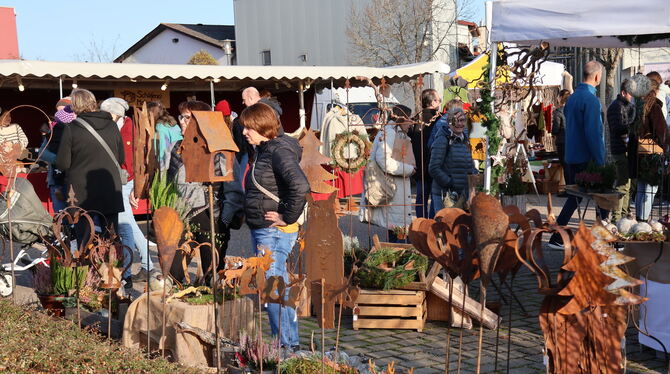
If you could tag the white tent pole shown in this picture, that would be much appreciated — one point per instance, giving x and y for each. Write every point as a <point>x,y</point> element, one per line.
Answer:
<point>211,92</point>
<point>60,86</point>
<point>301,100</point>
<point>493,50</point>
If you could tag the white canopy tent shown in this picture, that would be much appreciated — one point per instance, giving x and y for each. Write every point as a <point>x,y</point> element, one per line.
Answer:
<point>580,23</point>
<point>41,74</point>
<point>161,72</point>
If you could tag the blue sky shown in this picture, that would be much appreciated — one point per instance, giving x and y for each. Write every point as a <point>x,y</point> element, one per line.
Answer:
<point>66,30</point>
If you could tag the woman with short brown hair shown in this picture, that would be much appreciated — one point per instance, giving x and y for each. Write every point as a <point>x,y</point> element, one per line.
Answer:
<point>89,169</point>
<point>83,101</point>
<point>275,198</point>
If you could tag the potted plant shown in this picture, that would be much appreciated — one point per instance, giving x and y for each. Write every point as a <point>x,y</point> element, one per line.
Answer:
<point>514,191</point>
<point>253,352</point>
<point>55,282</point>
<point>400,232</point>
<point>596,178</point>
<point>44,290</point>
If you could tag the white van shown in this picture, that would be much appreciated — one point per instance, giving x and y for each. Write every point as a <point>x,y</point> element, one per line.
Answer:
<point>360,101</point>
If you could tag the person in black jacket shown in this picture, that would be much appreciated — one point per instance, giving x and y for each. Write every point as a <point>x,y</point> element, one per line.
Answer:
<point>88,168</point>
<point>620,118</point>
<point>419,134</point>
<point>275,198</point>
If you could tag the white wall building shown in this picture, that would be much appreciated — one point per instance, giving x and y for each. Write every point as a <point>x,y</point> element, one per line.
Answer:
<point>292,32</point>
<point>171,43</point>
<point>313,32</point>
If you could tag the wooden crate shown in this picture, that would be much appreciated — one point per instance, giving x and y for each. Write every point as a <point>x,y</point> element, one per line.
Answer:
<point>393,309</point>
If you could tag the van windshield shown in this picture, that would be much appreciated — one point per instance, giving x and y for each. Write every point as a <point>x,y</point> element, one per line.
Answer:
<point>369,112</point>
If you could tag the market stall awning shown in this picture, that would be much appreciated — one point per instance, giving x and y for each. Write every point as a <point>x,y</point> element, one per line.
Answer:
<point>551,73</point>
<point>473,72</point>
<point>84,70</point>
<point>593,24</point>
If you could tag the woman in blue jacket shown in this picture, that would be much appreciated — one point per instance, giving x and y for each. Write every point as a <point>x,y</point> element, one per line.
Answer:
<point>451,162</point>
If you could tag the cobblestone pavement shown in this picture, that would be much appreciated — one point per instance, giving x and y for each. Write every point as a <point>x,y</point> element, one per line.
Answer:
<point>426,351</point>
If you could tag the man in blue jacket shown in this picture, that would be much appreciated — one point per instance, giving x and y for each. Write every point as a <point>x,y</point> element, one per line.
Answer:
<point>584,140</point>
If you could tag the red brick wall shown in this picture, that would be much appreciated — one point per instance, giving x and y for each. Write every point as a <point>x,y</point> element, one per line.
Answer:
<point>9,43</point>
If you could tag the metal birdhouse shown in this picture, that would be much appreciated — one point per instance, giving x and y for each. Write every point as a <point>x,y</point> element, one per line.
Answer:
<point>208,149</point>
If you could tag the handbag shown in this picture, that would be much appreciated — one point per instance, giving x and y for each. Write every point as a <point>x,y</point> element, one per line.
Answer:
<point>379,186</point>
<point>123,174</point>
<point>647,146</point>
<point>303,216</point>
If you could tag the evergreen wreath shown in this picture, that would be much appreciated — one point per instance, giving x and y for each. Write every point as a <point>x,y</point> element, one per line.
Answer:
<point>340,152</point>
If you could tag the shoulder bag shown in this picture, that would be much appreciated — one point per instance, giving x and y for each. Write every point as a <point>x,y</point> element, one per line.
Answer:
<point>379,186</point>
<point>123,174</point>
<point>648,146</point>
<point>303,216</point>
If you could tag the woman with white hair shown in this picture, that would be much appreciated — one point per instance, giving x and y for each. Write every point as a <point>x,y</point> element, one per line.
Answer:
<point>130,233</point>
<point>451,162</point>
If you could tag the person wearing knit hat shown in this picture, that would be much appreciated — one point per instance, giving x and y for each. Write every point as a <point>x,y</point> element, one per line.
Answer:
<point>115,105</point>
<point>129,231</point>
<point>62,103</point>
<point>223,107</point>
<point>49,150</point>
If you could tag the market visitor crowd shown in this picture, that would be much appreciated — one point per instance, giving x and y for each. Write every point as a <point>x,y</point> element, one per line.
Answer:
<point>91,141</point>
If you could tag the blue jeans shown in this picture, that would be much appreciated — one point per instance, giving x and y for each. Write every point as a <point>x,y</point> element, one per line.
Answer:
<point>281,245</point>
<point>56,204</point>
<point>130,233</point>
<point>422,196</point>
<point>644,200</point>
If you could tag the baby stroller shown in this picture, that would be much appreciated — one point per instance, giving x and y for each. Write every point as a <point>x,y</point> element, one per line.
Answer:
<point>30,222</point>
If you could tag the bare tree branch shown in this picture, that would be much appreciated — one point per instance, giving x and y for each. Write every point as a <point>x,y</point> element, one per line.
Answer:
<point>396,32</point>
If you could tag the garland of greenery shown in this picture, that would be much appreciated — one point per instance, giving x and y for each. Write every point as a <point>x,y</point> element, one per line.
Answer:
<point>492,125</point>
<point>388,268</point>
<point>340,145</point>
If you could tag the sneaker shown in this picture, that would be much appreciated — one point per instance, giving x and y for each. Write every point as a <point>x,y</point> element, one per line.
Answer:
<point>555,245</point>
<point>128,283</point>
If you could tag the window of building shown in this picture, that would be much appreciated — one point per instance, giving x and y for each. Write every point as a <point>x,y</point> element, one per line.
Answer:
<point>266,57</point>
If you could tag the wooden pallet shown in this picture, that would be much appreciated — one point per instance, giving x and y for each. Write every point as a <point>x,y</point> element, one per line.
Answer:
<point>393,309</point>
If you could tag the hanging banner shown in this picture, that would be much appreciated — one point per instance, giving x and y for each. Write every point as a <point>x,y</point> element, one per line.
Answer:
<point>136,97</point>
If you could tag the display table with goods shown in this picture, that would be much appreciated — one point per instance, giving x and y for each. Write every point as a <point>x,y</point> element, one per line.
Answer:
<point>652,266</point>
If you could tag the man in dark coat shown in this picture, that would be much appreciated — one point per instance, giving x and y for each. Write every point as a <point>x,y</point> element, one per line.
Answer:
<point>620,117</point>
<point>88,168</point>
<point>419,134</point>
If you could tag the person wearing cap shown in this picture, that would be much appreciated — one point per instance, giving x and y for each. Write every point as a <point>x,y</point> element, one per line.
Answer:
<point>48,150</point>
<point>129,230</point>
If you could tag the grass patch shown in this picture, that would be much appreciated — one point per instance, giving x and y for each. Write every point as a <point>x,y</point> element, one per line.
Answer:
<point>33,342</point>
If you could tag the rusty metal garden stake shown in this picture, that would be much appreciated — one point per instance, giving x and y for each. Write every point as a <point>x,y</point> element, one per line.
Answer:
<point>339,324</point>
<point>215,265</point>
<point>260,326</point>
<point>323,329</point>
<point>10,188</point>
<point>448,345</point>
<point>146,226</point>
